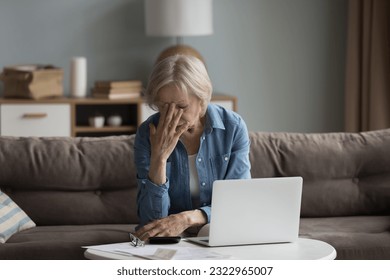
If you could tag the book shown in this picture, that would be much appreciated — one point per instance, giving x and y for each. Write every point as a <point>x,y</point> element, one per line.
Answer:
<point>119,84</point>
<point>128,95</point>
<point>32,81</point>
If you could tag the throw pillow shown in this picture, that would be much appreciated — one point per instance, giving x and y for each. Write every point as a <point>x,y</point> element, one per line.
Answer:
<point>12,218</point>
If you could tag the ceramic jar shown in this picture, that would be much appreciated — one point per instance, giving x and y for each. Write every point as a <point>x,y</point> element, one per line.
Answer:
<point>96,121</point>
<point>114,120</point>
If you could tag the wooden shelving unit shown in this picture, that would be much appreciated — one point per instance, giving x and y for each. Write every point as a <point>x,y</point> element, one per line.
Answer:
<point>83,109</point>
<point>132,111</point>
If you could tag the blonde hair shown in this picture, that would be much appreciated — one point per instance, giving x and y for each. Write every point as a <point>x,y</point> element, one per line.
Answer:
<point>186,72</point>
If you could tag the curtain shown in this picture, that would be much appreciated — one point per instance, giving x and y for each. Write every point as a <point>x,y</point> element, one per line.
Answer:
<point>367,87</point>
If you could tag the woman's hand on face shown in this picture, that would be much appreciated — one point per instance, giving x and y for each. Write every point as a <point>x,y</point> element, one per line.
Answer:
<point>165,137</point>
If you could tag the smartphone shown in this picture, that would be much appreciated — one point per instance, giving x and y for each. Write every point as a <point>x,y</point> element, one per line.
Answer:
<point>164,239</point>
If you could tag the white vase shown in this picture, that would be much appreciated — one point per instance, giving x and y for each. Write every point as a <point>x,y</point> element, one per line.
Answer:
<point>78,77</point>
<point>114,120</point>
<point>97,121</point>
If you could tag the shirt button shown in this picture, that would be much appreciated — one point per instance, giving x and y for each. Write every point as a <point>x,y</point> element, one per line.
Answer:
<point>199,159</point>
<point>203,184</point>
<point>226,158</point>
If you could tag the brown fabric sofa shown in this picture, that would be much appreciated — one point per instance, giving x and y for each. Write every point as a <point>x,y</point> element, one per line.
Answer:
<point>82,191</point>
<point>346,188</point>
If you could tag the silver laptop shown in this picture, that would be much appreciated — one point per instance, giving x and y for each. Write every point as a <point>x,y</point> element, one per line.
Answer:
<point>254,211</point>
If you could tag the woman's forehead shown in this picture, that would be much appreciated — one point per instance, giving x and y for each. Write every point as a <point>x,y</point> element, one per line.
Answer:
<point>172,94</point>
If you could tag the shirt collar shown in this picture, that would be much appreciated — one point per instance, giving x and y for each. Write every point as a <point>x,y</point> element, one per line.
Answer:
<point>213,119</point>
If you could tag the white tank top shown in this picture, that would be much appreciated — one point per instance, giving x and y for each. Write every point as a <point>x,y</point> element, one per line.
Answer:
<point>194,179</point>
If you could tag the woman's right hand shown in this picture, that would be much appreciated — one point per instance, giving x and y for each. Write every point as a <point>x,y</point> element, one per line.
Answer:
<point>163,139</point>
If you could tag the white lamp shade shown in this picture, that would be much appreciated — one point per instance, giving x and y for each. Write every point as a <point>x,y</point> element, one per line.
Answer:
<point>178,17</point>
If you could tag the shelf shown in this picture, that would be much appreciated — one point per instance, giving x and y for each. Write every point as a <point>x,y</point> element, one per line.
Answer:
<point>132,111</point>
<point>84,110</point>
<point>102,101</point>
<point>105,129</point>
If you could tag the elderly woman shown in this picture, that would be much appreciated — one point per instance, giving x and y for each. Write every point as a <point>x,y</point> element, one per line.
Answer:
<point>181,150</point>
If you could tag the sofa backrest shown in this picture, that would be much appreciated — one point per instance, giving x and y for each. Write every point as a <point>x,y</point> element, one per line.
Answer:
<point>60,181</point>
<point>343,173</point>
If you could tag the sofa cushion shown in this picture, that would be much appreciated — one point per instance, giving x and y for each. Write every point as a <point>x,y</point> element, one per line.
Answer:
<point>358,237</point>
<point>71,181</point>
<point>62,242</point>
<point>12,218</point>
<point>344,174</point>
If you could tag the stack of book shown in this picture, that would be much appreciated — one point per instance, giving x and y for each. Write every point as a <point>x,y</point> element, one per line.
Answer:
<point>35,81</point>
<point>125,89</point>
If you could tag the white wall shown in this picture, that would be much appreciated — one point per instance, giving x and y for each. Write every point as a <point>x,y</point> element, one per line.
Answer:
<point>283,59</point>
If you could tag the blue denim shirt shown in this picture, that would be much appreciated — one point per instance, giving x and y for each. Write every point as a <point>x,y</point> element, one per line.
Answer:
<point>223,154</point>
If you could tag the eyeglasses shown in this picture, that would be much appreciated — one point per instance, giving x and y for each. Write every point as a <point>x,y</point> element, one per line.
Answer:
<point>135,241</point>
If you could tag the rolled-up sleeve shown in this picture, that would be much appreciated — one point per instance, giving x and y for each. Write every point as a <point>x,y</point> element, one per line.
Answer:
<point>207,211</point>
<point>152,200</point>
